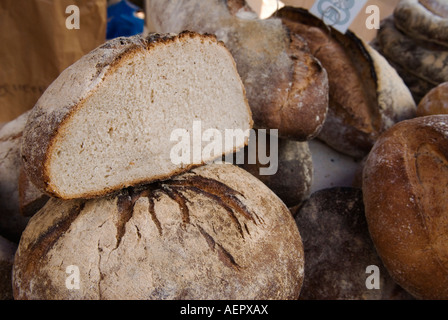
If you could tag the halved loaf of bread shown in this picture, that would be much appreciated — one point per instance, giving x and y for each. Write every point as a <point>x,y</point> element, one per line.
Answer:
<point>107,121</point>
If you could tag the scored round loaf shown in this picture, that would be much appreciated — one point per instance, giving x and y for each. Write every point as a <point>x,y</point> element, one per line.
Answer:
<point>293,177</point>
<point>213,233</point>
<point>366,94</point>
<point>338,249</point>
<point>434,102</point>
<point>287,88</point>
<point>406,203</point>
<point>423,19</point>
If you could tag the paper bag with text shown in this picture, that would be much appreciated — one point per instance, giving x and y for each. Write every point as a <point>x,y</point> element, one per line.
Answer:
<point>39,39</point>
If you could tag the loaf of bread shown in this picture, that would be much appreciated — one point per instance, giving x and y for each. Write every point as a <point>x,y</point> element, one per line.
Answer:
<point>423,19</point>
<point>107,121</point>
<point>339,251</point>
<point>429,62</point>
<point>434,102</point>
<point>406,204</point>
<point>366,94</point>
<point>287,88</point>
<point>12,222</point>
<point>289,173</point>
<point>7,252</point>
<point>215,232</point>
<point>414,41</point>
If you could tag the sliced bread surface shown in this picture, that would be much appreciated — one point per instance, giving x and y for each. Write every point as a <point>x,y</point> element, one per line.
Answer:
<point>107,121</point>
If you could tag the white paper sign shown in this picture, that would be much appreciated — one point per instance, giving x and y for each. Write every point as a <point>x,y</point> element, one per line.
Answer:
<point>338,14</point>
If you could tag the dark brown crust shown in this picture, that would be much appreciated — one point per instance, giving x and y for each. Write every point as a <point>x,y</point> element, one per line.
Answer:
<point>309,91</point>
<point>347,121</point>
<point>404,181</point>
<point>43,127</point>
<point>434,102</point>
<point>338,248</point>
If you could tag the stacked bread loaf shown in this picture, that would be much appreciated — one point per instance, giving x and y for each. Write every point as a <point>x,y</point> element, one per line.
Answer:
<point>135,223</point>
<point>414,39</point>
<point>94,167</point>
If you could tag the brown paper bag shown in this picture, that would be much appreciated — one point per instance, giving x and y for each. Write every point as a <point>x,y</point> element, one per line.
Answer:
<point>36,46</point>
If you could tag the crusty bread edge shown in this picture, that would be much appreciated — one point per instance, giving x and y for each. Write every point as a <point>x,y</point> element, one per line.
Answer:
<point>36,166</point>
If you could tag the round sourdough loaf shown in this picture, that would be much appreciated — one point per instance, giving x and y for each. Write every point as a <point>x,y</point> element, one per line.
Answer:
<point>423,19</point>
<point>406,203</point>
<point>339,251</point>
<point>287,88</point>
<point>366,94</point>
<point>213,233</point>
<point>434,102</point>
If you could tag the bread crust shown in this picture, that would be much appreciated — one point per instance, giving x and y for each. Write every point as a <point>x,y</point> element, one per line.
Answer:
<point>434,102</point>
<point>286,87</point>
<point>338,249</point>
<point>404,195</point>
<point>425,20</point>
<point>206,234</point>
<point>367,99</point>
<point>426,62</point>
<point>48,117</point>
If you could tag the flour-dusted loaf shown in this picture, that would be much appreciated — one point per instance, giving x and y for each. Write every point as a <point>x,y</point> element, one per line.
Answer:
<point>12,222</point>
<point>215,232</point>
<point>367,96</point>
<point>107,121</point>
<point>423,19</point>
<point>435,101</point>
<point>287,88</point>
<point>406,204</point>
<point>339,251</point>
<point>429,62</point>
<point>289,173</point>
